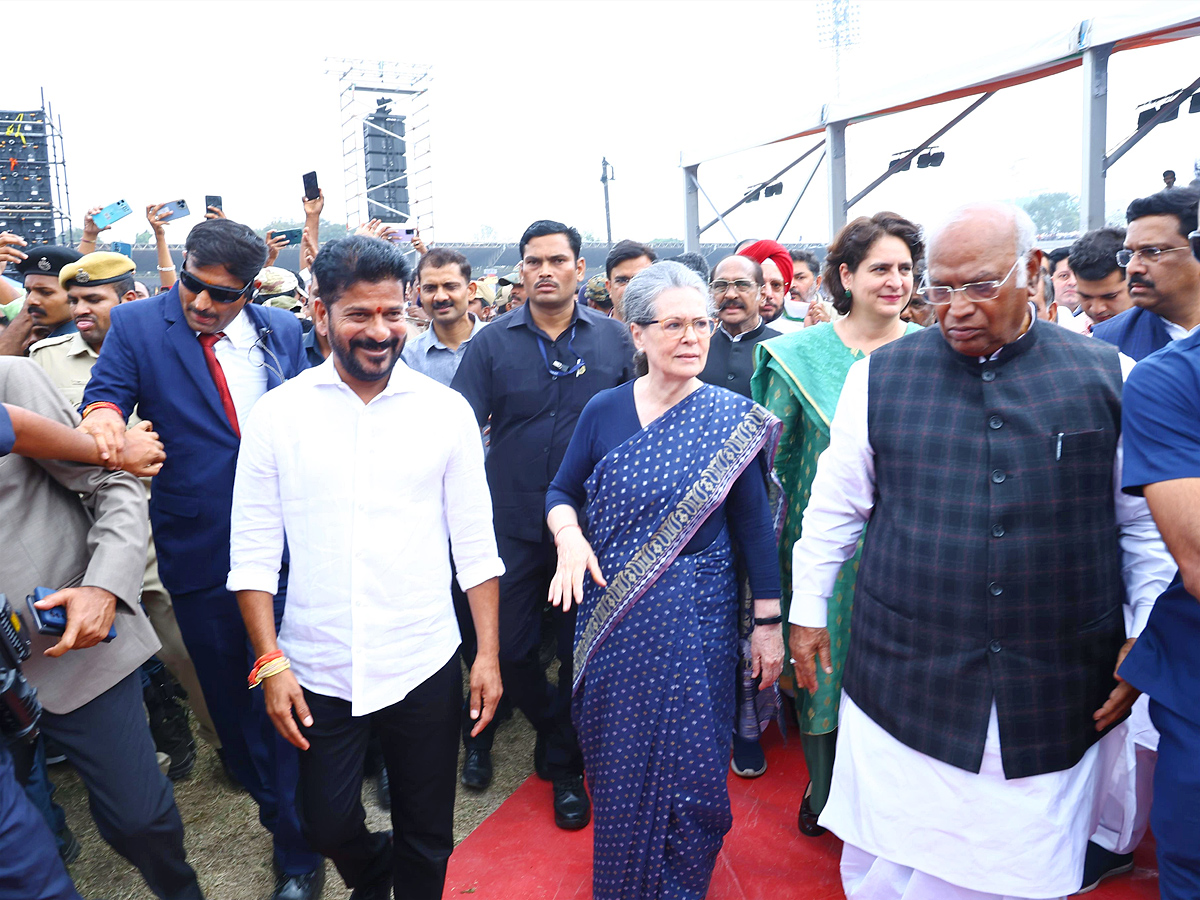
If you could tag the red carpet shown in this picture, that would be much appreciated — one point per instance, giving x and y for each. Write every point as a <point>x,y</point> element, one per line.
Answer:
<point>517,853</point>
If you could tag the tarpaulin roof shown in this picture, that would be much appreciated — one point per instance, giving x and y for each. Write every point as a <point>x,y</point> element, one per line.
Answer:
<point>1151,25</point>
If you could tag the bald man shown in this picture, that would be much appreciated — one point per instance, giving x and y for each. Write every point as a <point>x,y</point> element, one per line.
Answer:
<point>979,704</point>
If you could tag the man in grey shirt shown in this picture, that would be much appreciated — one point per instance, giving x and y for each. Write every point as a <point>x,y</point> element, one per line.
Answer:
<point>445,288</point>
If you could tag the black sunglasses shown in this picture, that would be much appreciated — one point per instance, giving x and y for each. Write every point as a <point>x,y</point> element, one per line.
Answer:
<point>218,294</point>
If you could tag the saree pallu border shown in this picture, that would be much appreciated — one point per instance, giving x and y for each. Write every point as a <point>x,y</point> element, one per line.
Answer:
<point>754,432</point>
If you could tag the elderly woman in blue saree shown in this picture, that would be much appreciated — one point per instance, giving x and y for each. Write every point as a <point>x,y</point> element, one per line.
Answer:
<point>664,481</point>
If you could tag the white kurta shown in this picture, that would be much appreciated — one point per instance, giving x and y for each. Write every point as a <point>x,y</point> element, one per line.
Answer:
<point>1021,837</point>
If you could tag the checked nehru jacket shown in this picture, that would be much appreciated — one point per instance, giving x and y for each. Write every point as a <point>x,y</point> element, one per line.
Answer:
<point>991,567</point>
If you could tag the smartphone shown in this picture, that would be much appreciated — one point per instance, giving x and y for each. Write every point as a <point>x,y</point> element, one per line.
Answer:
<point>176,209</point>
<point>212,200</point>
<point>53,621</point>
<point>114,212</point>
<point>293,235</point>
<point>311,191</point>
<point>123,248</point>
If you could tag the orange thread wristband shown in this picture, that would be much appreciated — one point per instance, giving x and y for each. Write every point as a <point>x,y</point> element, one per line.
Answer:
<point>102,404</point>
<point>260,662</point>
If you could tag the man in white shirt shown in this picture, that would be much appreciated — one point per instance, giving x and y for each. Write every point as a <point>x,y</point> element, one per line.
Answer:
<point>979,699</point>
<point>367,470</point>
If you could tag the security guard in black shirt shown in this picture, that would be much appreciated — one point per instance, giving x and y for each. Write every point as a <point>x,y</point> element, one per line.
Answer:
<point>531,373</point>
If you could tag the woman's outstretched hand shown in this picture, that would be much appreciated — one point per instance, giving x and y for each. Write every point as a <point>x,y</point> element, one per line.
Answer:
<point>575,559</point>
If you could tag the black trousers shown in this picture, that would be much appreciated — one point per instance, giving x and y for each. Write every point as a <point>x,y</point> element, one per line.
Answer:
<point>420,747</point>
<point>108,742</point>
<point>524,587</point>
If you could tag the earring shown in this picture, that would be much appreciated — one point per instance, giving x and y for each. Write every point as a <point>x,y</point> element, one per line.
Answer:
<point>847,293</point>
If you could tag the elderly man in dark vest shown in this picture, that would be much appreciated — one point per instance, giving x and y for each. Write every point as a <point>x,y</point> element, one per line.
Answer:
<point>979,703</point>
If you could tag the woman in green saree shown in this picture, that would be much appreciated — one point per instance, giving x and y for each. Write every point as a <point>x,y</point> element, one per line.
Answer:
<point>798,377</point>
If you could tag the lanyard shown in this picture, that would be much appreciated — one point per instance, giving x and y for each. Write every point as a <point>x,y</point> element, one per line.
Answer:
<point>556,368</point>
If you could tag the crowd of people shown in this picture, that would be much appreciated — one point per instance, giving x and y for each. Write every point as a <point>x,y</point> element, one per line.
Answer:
<point>929,502</point>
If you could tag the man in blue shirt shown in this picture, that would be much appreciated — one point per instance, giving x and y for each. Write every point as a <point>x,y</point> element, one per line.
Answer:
<point>1161,427</point>
<point>446,290</point>
<point>1162,277</point>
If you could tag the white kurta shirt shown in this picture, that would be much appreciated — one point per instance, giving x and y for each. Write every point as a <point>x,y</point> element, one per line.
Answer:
<point>371,496</point>
<point>1023,837</point>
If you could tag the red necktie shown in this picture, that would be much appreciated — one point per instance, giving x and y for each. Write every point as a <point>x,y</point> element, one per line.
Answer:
<point>218,374</point>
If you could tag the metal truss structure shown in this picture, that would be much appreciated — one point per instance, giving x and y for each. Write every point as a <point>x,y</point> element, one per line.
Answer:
<point>364,83</point>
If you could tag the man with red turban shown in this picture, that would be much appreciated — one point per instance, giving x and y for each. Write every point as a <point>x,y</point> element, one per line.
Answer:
<point>777,269</point>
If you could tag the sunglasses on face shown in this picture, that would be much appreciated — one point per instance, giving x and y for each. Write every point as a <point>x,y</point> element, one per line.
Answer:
<point>216,293</point>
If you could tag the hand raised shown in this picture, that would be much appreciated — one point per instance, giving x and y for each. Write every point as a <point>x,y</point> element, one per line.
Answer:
<point>316,206</point>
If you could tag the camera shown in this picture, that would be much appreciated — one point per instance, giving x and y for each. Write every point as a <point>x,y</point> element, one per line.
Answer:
<point>20,708</point>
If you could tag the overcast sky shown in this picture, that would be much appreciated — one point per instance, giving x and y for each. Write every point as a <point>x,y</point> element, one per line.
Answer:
<point>180,99</point>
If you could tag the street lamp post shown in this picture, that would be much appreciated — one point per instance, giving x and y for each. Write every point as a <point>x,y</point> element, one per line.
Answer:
<point>606,175</point>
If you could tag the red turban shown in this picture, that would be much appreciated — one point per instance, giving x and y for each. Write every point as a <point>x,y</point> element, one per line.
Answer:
<point>776,252</point>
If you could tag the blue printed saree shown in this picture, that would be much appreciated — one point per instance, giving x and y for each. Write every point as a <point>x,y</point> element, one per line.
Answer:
<point>656,651</point>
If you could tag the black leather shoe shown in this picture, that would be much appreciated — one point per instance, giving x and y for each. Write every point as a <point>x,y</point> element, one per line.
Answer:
<point>380,890</point>
<point>539,759</point>
<point>1099,864</point>
<point>808,818</point>
<point>300,887</point>
<point>572,808</point>
<point>477,770</point>
<point>383,790</point>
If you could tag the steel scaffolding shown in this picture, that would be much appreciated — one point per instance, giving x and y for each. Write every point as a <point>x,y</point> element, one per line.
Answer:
<point>44,203</point>
<point>363,83</point>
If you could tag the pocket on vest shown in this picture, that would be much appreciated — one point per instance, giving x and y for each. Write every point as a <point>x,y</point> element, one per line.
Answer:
<point>1083,465</point>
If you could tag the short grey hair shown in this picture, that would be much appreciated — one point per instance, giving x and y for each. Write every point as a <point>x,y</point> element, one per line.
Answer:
<point>641,296</point>
<point>1025,232</point>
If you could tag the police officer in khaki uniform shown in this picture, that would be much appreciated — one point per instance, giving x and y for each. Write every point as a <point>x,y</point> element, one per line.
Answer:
<point>94,285</point>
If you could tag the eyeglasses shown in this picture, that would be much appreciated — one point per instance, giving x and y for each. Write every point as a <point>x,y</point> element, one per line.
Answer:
<point>218,294</point>
<point>742,287</point>
<point>675,328</point>
<point>1146,255</point>
<point>976,291</point>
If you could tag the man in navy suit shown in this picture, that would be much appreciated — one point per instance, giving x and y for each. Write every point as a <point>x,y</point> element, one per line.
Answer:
<point>1162,276</point>
<point>194,361</point>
